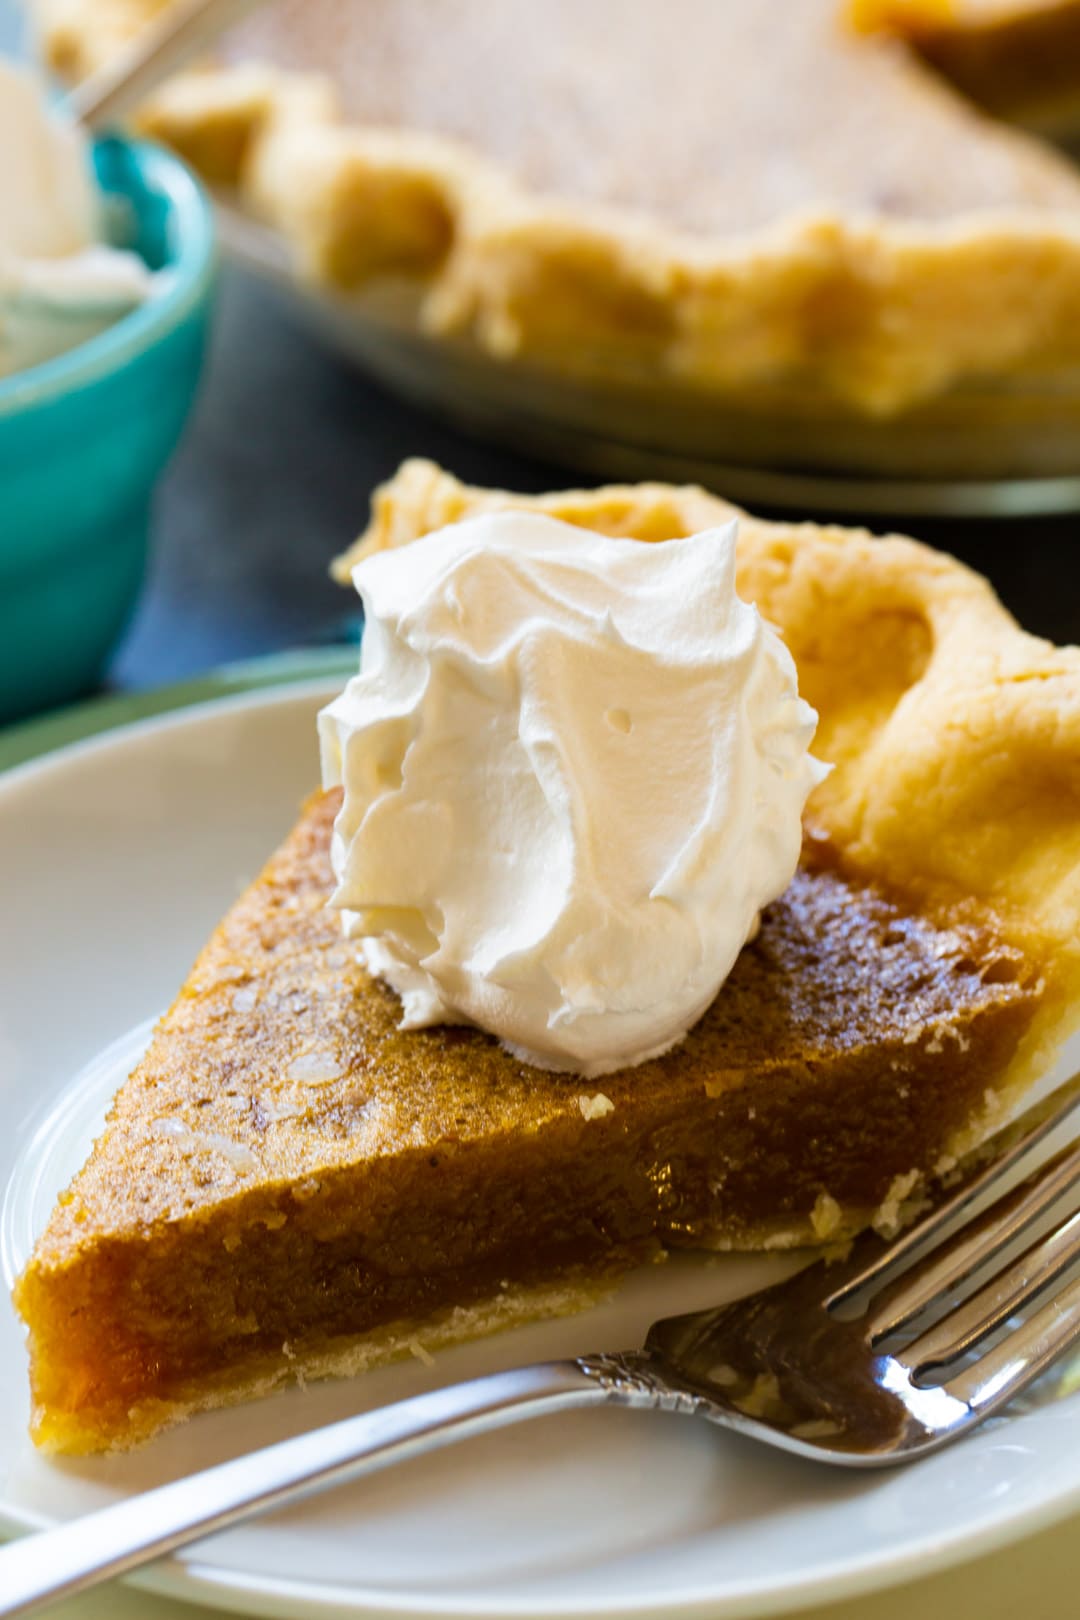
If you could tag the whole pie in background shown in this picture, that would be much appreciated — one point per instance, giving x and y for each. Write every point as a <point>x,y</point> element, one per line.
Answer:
<point>752,201</point>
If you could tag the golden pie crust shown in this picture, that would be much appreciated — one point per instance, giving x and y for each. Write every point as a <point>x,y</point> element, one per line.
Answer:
<point>604,238</point>
<point>289,1186</point>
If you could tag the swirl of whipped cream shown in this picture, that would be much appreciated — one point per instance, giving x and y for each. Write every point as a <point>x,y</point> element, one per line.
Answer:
<point>574,772</point>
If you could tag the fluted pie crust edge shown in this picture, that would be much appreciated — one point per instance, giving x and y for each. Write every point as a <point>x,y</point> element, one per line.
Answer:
<point>877,314</point>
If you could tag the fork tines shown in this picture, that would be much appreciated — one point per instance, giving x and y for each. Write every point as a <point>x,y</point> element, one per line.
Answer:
<point>911,1298</point>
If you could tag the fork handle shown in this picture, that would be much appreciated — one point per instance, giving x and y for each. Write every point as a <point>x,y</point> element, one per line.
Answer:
<point>39,1569</point>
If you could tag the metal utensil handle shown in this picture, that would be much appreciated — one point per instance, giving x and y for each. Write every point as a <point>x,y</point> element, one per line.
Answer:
<point>39,1569</point>
<point>180,32</point>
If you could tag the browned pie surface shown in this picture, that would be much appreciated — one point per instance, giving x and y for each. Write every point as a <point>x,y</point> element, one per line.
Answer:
<point>286,1168</point>
<point>718,115</point>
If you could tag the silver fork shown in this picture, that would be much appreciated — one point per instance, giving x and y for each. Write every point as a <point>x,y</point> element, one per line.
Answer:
<point>863,1361</point>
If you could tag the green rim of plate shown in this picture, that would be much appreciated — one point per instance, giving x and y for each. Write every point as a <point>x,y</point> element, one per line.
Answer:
<point>32,738</point>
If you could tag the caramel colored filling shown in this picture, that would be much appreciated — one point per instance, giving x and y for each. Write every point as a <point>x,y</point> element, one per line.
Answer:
<point>285,1167</point>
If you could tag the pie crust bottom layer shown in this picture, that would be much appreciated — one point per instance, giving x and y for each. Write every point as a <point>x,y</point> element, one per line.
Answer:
<point>289,1186</point>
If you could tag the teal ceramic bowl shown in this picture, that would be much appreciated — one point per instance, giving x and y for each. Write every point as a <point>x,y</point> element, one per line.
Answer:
<point>83,438</point>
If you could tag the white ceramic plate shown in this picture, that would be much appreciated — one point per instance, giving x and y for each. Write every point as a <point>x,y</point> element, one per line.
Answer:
<point>117,856</point>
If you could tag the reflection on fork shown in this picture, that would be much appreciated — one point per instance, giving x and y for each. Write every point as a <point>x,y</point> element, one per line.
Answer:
<point>901,1347</point>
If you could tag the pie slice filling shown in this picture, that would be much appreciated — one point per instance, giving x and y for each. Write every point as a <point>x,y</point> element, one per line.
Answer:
<point>288,1184</point>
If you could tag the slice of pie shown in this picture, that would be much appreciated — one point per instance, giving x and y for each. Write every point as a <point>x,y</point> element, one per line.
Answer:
<point>1019,58</point>
<point>290,1186</point>
<point>698,191</point>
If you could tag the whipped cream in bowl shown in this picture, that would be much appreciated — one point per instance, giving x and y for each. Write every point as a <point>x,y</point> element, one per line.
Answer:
<point>574,770</point>
<point>60,281</point>
<point>100,357</point>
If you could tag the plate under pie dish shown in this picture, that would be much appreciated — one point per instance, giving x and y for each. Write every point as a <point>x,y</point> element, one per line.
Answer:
<point>290,1186</point>
<point>724,273</point>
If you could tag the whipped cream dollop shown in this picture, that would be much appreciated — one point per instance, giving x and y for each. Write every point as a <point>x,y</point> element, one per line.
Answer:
<point>574,770</point>
<point>60,284</point>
